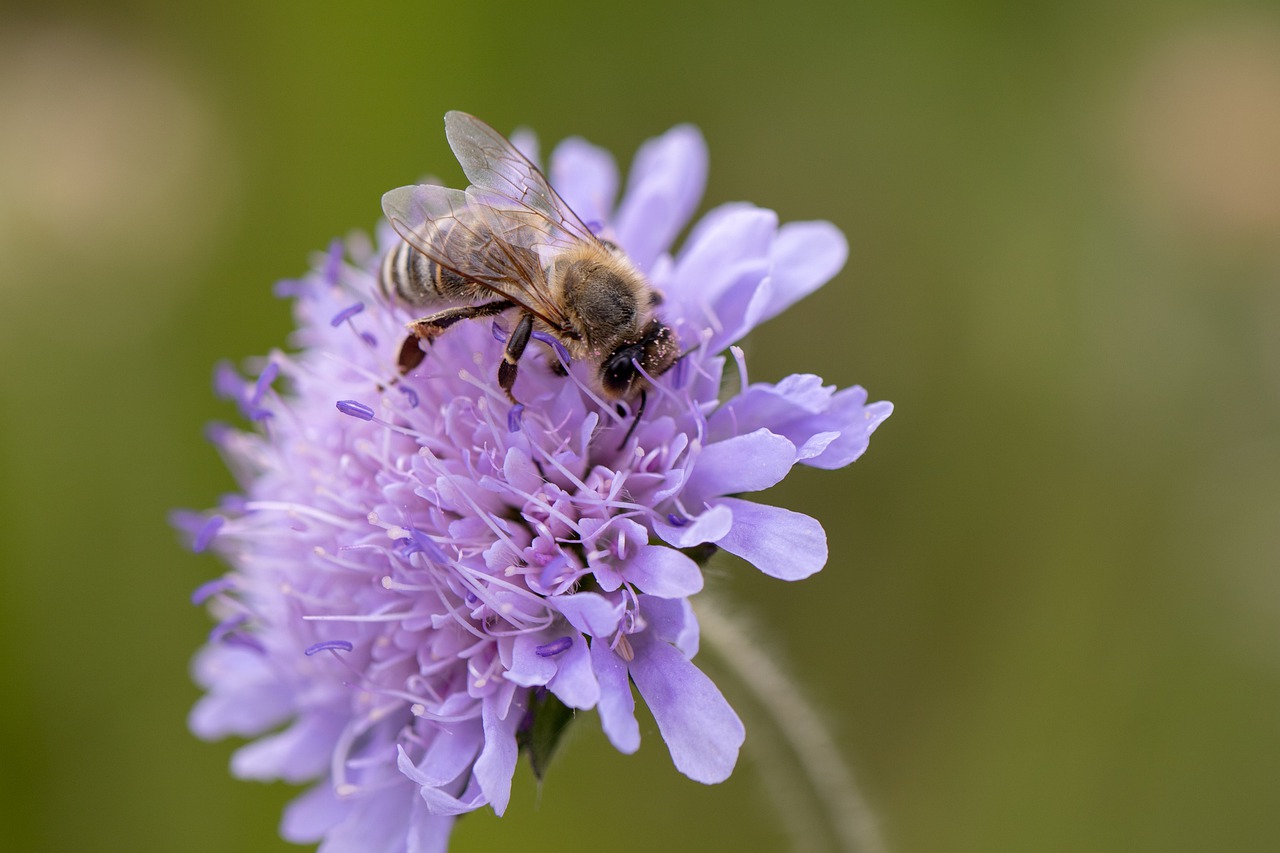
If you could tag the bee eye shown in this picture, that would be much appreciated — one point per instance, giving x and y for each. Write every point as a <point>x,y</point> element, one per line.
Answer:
<point>618,371</point>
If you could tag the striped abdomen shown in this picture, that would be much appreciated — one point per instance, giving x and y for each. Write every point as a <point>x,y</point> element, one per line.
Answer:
<point>412,277</point>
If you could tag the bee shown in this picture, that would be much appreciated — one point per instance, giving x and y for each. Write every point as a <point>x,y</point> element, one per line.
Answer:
<point>509,243</point>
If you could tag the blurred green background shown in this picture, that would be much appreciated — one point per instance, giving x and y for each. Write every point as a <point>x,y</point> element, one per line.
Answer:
<point>1051,619</point>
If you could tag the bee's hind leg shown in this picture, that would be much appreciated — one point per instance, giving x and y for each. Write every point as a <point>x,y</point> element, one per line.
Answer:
<point>427,329</point>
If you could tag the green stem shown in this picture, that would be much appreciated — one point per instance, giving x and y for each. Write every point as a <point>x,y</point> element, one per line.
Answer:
<point>834,791</point>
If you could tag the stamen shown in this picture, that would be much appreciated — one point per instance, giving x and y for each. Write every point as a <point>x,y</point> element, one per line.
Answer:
<point>513,417</point>
<point>207,532</point>
<point>418,542</point>
<point>346,314</point>
<point>208,590</point>
<point>330,646</point>
<point>355,409</point>
<point>740,357</point>
<point>371,617</point>
<point>551,341</point>
<point>622,646</point>
<point>410,394</point>
<point>676,520</point>
<point>296,509</point>
<point>227,627</point>
<point>268,375</point>
<point>499,334</point>
<point>553,648</point>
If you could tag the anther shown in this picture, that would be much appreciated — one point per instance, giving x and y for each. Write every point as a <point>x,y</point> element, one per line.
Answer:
<point>553,648</point>
<point>207,532</point>
<point>410,394</point>
<point>268,375</point>
<point>551,341</point>
<point>208,590</point>
<point>223,629</point>
<point>329,646</point>
<point>346,314</point>
<point>355,409</point>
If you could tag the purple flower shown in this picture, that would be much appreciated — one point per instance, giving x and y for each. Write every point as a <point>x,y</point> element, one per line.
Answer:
<point>418,571</point>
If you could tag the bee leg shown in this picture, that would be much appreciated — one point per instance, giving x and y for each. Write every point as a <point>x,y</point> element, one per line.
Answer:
<point>411,355</point>
<point>515,348</point>
<point>427,329</point>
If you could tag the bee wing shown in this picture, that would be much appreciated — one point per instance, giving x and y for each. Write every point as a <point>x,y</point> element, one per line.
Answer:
<point>493,165</point>
<point>500,249</point>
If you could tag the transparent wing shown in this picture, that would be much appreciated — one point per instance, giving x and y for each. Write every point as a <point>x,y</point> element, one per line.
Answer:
<point>507,179</point>
<point>499,249</point>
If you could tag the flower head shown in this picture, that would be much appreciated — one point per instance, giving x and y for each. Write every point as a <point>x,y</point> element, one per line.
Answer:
<point>422,574</point>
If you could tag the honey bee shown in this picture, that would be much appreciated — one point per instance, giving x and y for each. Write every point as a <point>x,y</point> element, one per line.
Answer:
<point>509,243</point>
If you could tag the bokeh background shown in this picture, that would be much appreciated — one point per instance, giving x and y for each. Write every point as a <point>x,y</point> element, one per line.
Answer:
<point>1051,619</point>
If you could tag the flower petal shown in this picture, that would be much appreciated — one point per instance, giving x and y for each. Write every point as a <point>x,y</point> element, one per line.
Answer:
<point>428,833</point>
<point>805,256</point>
<point>708,527</point>
<point>441,802</point>
<point>528,668</point>
<point>672,620</point>
<point>307,818</point>
<point>297,754</point>
<point>831,429</point>
<point>497,761</point>
<point>376,821</point>
<point>743,463</point>
<point>666,182</point>
<point>245,697</point>
<point>859,422</point>
<point>617,706</point>
<point>701,730</point>
<point>781,543</point>
<point>451,752</point>
<point>574,683</point>
<point>589,612</point>
<point>663,572</point>
<point>586,177</point>
<point>722,263</point>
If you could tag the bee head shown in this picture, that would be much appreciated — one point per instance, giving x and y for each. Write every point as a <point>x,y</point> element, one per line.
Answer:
<point>654,352</point>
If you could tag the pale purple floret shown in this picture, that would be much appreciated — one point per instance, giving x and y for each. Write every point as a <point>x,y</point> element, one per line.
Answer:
<point>415,562</point>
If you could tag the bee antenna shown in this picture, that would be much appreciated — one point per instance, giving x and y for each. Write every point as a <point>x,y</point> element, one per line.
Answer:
<point>644,398</point>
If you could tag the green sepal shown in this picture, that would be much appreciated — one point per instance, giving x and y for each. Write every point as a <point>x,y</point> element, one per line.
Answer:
<point>549,719</point>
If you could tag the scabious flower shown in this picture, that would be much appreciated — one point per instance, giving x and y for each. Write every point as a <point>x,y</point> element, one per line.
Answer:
<point>422,577</point>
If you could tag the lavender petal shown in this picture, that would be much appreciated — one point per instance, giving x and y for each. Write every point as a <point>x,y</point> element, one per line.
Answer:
<point>700,729</point>
<point>663,572</point>
<point>783,544</point>
<point>586,178</point>
<point>617,706</point>
<point>743,463</point>
<point>663,190</point>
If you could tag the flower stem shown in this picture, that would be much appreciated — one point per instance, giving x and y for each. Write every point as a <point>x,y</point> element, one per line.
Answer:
<point>832,786</point>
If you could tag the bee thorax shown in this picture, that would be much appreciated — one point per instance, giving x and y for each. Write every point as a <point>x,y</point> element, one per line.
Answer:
<point>603,300</point>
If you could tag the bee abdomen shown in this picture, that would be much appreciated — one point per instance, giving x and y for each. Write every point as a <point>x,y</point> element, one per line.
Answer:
<point>412,277</point>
